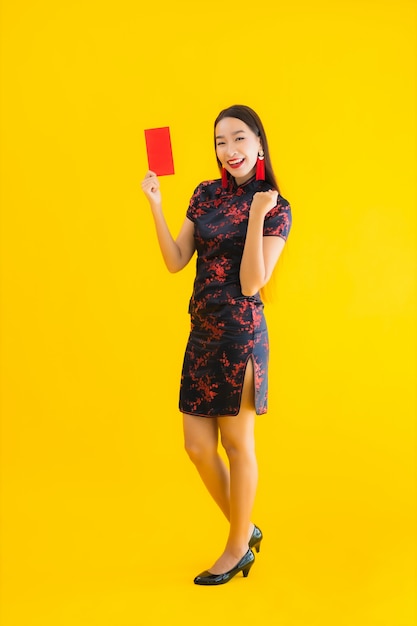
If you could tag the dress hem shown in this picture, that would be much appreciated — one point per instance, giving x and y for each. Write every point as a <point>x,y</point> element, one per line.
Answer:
<point>214,416</point>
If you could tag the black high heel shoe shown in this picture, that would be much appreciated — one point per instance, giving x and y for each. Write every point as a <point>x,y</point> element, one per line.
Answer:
<point>256,538</point>
<point>244,565</point>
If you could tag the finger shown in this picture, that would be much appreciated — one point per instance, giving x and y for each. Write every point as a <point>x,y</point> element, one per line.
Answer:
<point>149,185</point>
<point>150,180</point>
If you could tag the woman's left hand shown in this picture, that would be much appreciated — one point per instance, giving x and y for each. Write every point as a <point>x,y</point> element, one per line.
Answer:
<point>264,201</point>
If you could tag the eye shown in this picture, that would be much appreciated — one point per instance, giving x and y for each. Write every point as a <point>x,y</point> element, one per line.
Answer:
<point>239,138</point>
<point>220,143</point>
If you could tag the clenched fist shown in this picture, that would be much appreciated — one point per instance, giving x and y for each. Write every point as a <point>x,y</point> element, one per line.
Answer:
<point>264,201</point>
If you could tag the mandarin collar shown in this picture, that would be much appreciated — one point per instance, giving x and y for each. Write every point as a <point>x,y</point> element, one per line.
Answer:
<point>246,186</point>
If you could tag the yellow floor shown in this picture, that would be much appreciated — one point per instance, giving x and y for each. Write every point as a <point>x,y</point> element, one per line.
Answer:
<point>125,552</point>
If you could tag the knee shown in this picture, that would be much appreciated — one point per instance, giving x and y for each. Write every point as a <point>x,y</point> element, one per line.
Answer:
<point>238,448</point>
<point>199,452</point>
<point>235,449</point>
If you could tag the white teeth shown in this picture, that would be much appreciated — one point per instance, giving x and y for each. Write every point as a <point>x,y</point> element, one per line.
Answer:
<point>235,161</point>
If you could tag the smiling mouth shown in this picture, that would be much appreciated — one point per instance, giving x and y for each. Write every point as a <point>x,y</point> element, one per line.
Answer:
<point>235,163</point>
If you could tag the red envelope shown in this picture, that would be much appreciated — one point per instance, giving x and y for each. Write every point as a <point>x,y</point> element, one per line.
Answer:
<point>158,147</point>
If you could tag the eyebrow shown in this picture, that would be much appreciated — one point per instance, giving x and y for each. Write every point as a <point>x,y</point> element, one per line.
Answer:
<point>236,132</point>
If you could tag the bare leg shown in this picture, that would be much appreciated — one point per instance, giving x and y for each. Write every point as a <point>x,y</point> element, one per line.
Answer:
<point>201,444</point>
<point>237,435</point>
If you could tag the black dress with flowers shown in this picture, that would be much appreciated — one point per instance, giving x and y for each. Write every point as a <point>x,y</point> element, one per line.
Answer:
<point>227,328</point>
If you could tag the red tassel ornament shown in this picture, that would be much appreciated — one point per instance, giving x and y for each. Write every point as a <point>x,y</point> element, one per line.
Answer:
<point>225,180</point>
<point>260,166</point>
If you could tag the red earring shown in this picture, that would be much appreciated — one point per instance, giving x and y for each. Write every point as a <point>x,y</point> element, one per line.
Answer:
<point>260,166</point>
<point>225,181</point>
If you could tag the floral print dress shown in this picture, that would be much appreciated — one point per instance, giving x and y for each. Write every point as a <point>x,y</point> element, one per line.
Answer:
<point>227,328</point>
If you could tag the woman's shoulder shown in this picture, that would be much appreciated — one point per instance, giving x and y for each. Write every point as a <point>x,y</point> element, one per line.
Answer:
<point>283,202</point>
<point>208,190</point>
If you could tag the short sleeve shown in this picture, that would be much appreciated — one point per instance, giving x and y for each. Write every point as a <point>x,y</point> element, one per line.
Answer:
<point>278,220</point>
<point>191,211</point>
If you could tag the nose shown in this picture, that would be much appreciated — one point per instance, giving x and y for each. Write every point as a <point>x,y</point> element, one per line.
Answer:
<point>230,151</point>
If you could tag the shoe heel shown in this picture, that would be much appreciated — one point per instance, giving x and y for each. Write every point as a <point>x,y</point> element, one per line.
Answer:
<point>255,540</point>
<point>246,571</point>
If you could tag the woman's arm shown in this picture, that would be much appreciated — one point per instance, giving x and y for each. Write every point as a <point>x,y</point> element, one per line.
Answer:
<point>176,253</point>
<point>260,253</point>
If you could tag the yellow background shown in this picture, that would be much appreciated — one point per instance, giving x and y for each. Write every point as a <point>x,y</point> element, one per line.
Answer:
<point>104,519</point>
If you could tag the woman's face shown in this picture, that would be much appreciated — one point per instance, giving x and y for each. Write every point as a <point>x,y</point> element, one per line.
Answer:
<point>237,148</point>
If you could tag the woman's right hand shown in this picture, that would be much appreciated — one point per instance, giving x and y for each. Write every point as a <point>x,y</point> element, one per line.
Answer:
<point>150,187</point>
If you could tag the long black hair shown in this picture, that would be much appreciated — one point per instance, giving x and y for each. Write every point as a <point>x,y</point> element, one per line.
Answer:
<point>251,119</point>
